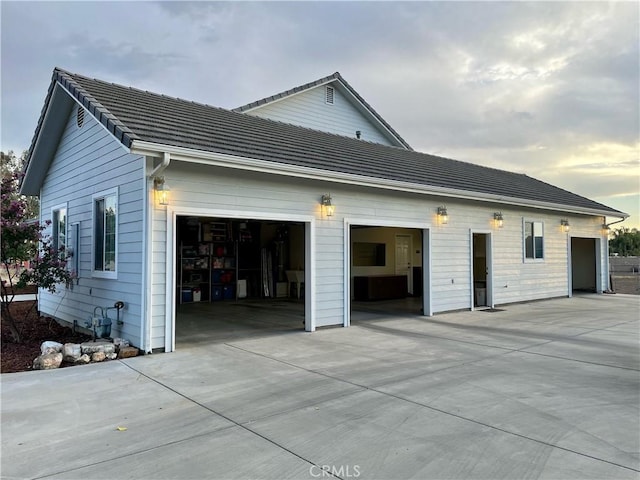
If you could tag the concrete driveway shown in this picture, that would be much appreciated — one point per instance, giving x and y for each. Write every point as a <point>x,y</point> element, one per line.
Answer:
<point>540,390</point>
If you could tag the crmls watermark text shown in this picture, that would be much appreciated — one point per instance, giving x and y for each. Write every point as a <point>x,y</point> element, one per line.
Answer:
<point>342,471</point>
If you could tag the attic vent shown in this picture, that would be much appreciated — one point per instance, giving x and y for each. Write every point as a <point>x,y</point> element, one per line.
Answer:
<point>328,95</point>
<point>80,117</point>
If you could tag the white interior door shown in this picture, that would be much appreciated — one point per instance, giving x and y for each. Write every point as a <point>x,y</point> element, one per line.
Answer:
<point>404,248</point>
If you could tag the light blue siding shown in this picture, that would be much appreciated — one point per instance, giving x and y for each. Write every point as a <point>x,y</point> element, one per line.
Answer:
<point>308,109</point>
<point>89,160</point>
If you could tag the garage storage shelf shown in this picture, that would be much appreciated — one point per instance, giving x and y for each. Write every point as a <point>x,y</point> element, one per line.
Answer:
<point>207,272</point>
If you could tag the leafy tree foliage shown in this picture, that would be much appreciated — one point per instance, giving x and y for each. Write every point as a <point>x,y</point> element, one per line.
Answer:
<point>27,255</point>
<point>11,164</point>
<point>625,242</point>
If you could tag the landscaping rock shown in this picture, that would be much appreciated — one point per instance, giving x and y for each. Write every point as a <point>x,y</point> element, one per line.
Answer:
<point>50,347</point>
<point>83,359</point>
<point>126,352</point>
<point>47,361</point>
<point>92,347</point>
<point>71,352</point>
<point>120,342</point>
<point>98,356</point>
<point>112,356</point>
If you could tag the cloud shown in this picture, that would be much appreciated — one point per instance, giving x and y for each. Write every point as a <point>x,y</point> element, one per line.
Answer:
<point>546,88</point>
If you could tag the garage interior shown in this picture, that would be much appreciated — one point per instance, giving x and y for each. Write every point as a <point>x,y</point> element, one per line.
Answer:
<point>238,278</point>
<point>583,265</point>
<point>385,271</point>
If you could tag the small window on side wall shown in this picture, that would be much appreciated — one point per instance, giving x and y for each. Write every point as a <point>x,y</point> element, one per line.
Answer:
<point>105,234</point>
<point>59,230</point>
<point>533,240</point>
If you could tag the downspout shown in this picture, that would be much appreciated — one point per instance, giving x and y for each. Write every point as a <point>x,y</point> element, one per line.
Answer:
<point>160,168</point>
<point>166,159</point>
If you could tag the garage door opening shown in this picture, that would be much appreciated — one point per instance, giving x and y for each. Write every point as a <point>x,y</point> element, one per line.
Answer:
<point>386,271</point>
<point>584,265</point>
<point>237,278</point>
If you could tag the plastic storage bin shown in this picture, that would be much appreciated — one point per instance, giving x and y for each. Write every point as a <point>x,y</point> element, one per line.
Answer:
<point>229,292</point>
<point>187,295</point>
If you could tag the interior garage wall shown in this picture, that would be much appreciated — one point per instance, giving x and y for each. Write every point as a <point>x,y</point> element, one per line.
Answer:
<point>387,236</point>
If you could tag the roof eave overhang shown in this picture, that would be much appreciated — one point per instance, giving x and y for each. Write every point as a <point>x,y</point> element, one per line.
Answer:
<point>50,127</point>
<point>251,164</point>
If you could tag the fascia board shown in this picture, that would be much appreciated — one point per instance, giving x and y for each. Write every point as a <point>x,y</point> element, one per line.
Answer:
<point>30,173</point>
<point>250,164</point>
<point>364,109</point>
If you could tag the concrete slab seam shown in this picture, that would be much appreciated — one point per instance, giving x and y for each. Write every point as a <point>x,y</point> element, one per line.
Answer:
<point>240,425</point>
<point>493,427</point>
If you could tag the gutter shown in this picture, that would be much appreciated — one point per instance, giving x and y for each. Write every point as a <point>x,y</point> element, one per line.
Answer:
<point>245,163</point>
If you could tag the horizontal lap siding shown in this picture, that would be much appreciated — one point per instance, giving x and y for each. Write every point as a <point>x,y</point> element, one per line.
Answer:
<point>223,189</point>
<point>88,160</point>
<point>308,109</point>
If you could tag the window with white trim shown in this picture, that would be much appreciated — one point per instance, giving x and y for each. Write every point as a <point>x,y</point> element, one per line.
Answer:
<point>105,233</point>
<point>59,228</point>
<point>533,240</point>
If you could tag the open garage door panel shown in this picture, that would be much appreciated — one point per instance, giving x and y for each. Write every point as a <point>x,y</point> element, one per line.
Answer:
<point>227,259</point>
<point>584,265</point>
<point>234,275</point>
<point>386,269</point>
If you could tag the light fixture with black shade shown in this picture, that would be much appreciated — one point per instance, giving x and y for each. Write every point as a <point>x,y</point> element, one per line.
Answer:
<point>498,219</point>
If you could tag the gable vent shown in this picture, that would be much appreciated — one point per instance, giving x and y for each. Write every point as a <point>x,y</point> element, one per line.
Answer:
<point>80,117</point>
<point>328,95</point>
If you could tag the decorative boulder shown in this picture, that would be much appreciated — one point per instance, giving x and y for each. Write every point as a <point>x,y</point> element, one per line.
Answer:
<point>50,347</point>
<point>126,352</point>
<point>84,358</point>
<point>98,356</point>
<point>112,356</point>
<point>120,342</point>
<point>71,352</point>
<point>47,361</point>
<point>92,347</point>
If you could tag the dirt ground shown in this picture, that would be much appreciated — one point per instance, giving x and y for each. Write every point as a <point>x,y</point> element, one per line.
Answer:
<point>35,329</point>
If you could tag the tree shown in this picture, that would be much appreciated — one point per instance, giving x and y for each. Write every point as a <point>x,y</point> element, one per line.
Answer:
<point>10,164</point>
<point>22,241</point>
<point>625,242</point>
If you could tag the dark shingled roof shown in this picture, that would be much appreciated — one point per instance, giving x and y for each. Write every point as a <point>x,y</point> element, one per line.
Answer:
<point>330,78</point>
<point>132,114</point>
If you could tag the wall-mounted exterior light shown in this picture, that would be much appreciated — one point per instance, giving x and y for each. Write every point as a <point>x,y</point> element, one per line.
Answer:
<point>498,219</point>
<point>443,216</point>
<point>162,190</point>
<point>565,225</point>
<point>327,206</point>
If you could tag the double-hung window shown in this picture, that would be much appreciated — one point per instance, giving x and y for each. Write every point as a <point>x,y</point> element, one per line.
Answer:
<point>105,233</point>
<point>533,240</point>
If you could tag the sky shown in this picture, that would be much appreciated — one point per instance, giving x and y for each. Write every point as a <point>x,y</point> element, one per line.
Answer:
<point>550,89</point>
